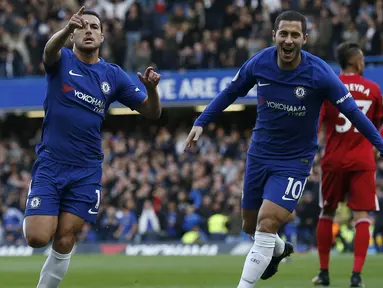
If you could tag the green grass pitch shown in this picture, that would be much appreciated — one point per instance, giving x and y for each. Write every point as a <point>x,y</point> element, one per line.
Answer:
<point>118,271</point>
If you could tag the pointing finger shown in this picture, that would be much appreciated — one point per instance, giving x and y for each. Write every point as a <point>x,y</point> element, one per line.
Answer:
<point>196,136</point>
<point>188,141</point>
<point>81,11</point>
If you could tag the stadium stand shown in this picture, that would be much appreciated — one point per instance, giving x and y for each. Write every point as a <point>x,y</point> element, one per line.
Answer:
<point>152,191</point>
<point>182,34</point>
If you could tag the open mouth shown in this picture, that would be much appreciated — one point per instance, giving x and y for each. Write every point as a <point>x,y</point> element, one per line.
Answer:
<point>288,51</point>
<point>88,40</point>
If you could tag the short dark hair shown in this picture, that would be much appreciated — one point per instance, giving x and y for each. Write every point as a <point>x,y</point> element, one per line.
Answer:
<point>291,16</point>
<point>345,51</point>
<point>90,12</point>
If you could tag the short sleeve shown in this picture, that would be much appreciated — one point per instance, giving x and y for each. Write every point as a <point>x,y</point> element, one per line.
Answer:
<point>378,117</point>
<point>128,93</point>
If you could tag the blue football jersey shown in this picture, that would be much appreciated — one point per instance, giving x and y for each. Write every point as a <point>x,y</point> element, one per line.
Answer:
<point>289,104</point>
<point>77,98</point>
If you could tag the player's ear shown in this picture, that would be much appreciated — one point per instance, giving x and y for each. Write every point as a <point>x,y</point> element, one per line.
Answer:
<point>274,35</point>
<point>102,37</point>
<point>71,37</point>
<point>360,66</point>
<point>305,38</point>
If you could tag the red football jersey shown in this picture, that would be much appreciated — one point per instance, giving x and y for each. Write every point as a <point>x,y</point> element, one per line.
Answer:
<point>346,148</point>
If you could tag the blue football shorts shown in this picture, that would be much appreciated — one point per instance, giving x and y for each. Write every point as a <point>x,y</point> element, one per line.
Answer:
<point>57,187</point>
<point>281,185</point>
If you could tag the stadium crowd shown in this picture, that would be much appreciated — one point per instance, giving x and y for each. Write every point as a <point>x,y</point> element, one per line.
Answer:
<point>153,191</point>
<point>183,34</point>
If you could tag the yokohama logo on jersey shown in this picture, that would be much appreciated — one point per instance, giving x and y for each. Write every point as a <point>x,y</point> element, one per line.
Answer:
<point>344,98</point>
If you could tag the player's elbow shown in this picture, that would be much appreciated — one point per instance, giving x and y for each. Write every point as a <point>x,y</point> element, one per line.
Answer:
<point>157,114</point>
<point>154,114</point>
<point>50,58</point>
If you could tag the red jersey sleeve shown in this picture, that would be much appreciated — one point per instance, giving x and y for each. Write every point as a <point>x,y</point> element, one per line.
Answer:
<point>378,117</point>
<point>322,115</point>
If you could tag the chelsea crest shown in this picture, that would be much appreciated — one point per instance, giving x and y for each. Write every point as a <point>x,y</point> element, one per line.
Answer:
<point>300,92</point>
<point>105,87</point>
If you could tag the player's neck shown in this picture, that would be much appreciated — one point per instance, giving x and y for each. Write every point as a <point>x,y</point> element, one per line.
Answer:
<point>291,65</point>
<point>349,71</point>
<point>88,58</point>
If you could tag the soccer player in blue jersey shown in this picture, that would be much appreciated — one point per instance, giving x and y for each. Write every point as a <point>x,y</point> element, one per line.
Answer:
<point>65,189</point>
<point>291,87</point>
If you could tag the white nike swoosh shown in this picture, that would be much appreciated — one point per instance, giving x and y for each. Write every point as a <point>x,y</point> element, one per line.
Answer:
<point>74,74</point>
<point>263,84</point>
<point>286,198</point>
<point>137,89</point>
<point>92,212</point>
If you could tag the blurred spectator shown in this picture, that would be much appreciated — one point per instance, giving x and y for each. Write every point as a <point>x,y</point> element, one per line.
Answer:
<point>148,223</point>
<point>127,223</point>
<point>217,226</point>
<point>195,236</point>
<point>307,212</point>
<point>183,34</point>
<point>378,229</point>
<point>234,225</point>
<point>13,225</point>
<point>108,224</point>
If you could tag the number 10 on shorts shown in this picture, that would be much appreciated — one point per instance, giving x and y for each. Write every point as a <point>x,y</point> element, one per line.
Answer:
<point>294,189</point>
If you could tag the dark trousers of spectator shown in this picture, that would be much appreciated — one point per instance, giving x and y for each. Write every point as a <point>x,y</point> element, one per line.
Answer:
<point>378,231</point>
<point>306,236</point>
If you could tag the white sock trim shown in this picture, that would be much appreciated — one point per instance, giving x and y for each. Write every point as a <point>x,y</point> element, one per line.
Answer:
<point>362,220</point>
<point>59,255</point>
<point>263,239</point>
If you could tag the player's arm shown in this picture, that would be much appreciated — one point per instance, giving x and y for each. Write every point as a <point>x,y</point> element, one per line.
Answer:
<point>151,106</point>
<point>339,96</point>
<point>131,96</point>
<point>378,117</point>
<point>52,49</point>
<point>238,87</point>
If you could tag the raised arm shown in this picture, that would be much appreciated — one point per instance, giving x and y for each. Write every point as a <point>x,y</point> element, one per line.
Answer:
<point>52,50</point>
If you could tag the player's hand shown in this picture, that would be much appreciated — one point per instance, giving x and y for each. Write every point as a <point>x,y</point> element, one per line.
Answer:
<point>76,21</point>
<point>193,137</point>
<point>150,78</point>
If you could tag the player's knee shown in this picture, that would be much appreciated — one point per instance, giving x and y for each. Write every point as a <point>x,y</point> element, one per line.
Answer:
<point>64,243</point>
<point>268,225</point>
<point>361,215</point>
<point>37,239</point>
<point>38,230</point>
